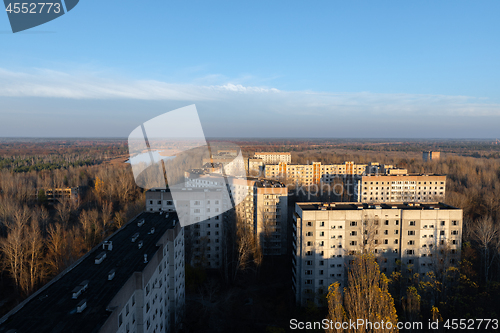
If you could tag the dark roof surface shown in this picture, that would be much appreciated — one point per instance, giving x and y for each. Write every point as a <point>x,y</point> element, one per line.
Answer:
<point>52,309</point>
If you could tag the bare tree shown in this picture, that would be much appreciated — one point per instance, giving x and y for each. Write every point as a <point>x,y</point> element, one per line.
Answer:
<point>56,248</point>
<point>486,234</point>
<point>13,254</point>
<point>63,209</point>
<point>35,245</point>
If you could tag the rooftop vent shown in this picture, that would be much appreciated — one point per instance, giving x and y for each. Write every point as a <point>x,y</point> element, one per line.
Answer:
<point>78,290</point>
<point>111,274</point>
<point>100,258</point>
<point>145,258</point>
<point>81,306</point>
<point>140,244</point>
<point>134,237</point>
<point>152,231</point>
<point>140,223</point>
<point>107,245</point>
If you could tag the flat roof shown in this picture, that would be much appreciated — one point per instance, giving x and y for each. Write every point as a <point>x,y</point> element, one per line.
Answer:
<point>362,205</point>
<point>52,308</point>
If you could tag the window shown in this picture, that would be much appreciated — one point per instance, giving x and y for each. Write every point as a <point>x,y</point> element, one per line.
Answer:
<point>322,224</point>
<point>322,233</point>
<point>411,242</point>
<point>410,251</point>
<point>454,223</point>
<point>454,232</point>
<point>412,223</point>
<point>309,233</point>
<point>353,243</point>
<point>120,320</point>
<point>354,223</point>
<point>411,232</point>
<point>354,233</point>
<point>441,232</point>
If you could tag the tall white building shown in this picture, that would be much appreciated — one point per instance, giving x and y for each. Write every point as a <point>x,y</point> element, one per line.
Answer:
<point>262,203</point>
<point>132,282</point>
<point>408,237</point>
<point>204,235</point>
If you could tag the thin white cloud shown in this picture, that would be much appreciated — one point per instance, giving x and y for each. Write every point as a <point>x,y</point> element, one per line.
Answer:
<point>54,84</point>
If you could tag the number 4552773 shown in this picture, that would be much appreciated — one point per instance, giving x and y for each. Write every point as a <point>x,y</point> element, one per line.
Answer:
<point>33,8</point>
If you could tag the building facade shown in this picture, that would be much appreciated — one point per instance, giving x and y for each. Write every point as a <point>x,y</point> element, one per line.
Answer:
<point>261,203</point>
<point>205,232</point>
<point>318,173</point>
<point>412,238</point>
<point>274,157</point>
<point>132,282</point>
<point>400,188</point>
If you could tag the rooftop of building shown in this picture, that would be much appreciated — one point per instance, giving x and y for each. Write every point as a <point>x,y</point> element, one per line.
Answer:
<point>52,308</point>
<point>269,183</point>
<point>271,153</point>
<point>359,205</point>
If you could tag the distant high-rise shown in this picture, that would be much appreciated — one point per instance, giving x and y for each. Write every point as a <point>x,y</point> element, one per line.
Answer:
<point>431,155</point>
<point>274,157</point>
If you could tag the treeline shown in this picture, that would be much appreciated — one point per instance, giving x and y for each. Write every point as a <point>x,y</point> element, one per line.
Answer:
<point>22,156</point>
<point>39,240</point>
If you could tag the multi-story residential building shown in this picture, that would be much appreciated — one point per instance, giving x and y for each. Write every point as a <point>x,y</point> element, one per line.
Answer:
<point>400,188</point>
<point>204,229</point>
<point>255,167</point>
<point>132,282</point>
<point>57,194</point>
<point>271,211</point>
<point>431,155</point>
<point>316,173</point>
<point>414,237</point>
<point>274,157</point>
<point>262,203</point>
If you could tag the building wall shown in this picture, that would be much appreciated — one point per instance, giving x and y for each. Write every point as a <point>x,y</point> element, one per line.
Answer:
<point>274,157</point>
<point>400,188</point>
<point>271,212</point>
<point>326,240</point>
<point>153,300</point>
<point>204,235</point>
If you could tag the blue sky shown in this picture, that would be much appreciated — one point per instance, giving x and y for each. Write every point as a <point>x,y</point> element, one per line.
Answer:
<point>258,68</point>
